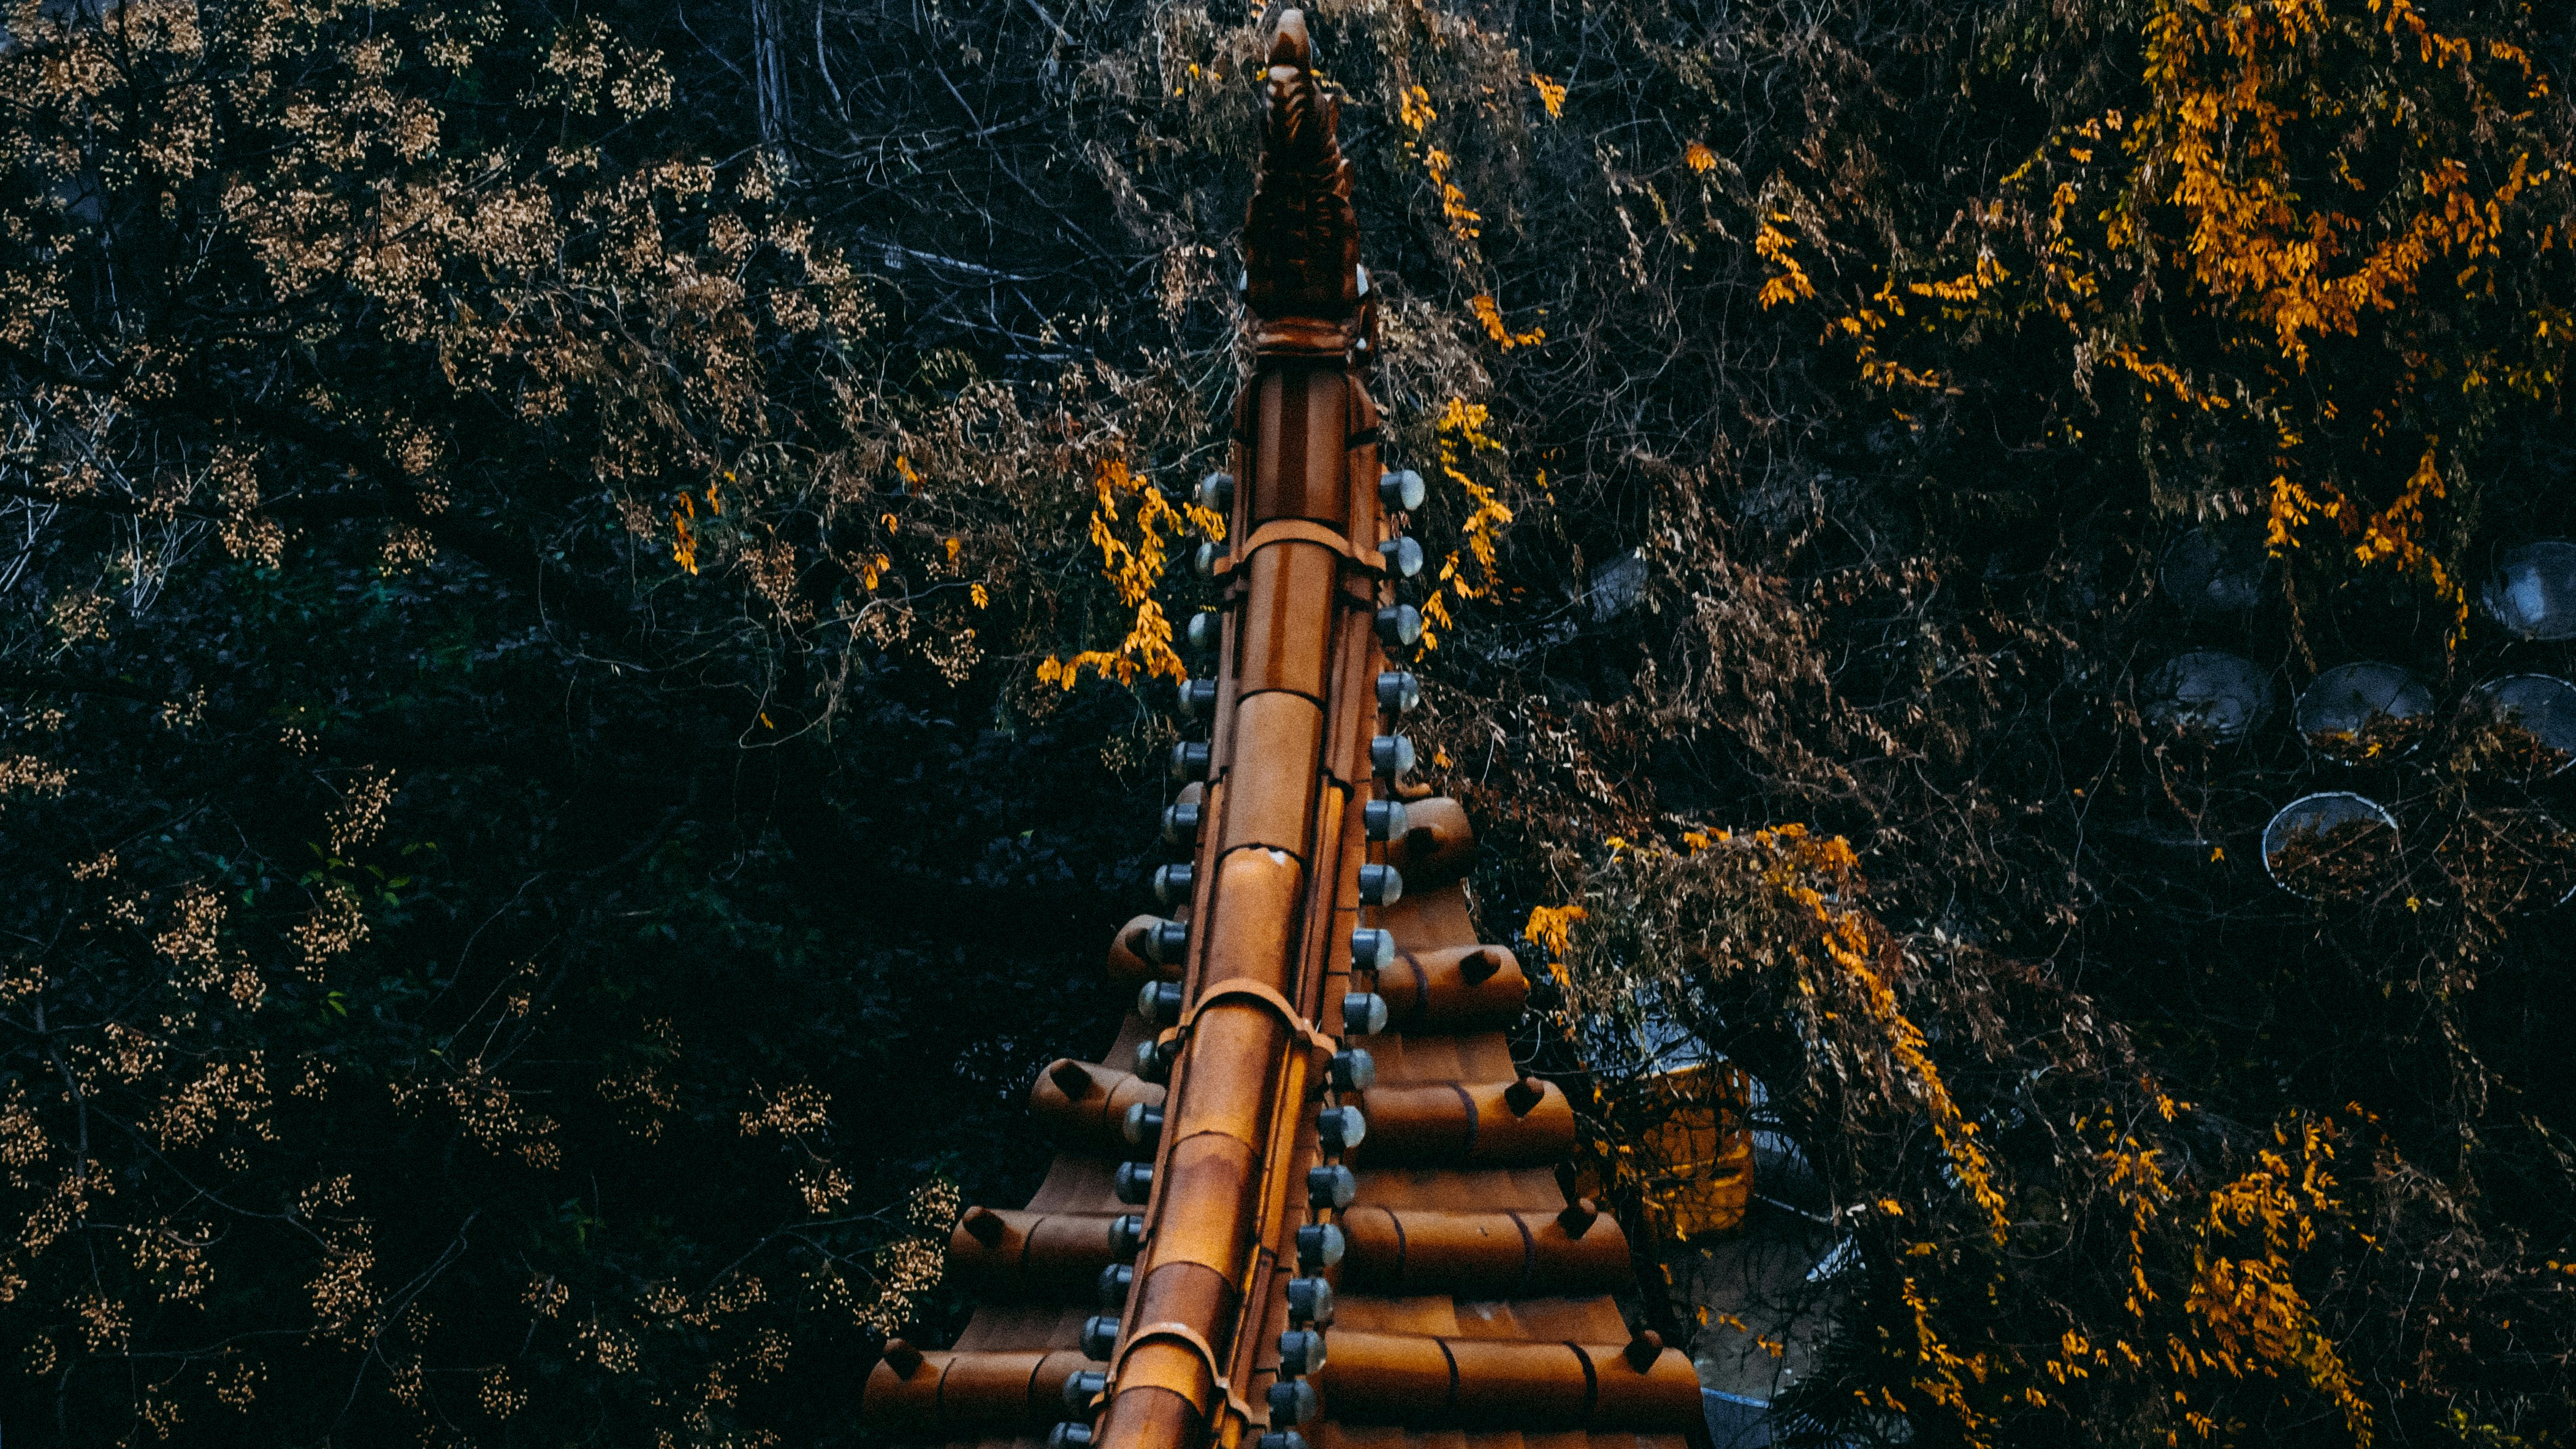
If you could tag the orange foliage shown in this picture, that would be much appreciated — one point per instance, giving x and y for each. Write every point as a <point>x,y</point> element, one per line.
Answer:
<point>2317,174</point>
<point>1463,423</point>
<point>2216,1279</point>
<point>1134,569</point>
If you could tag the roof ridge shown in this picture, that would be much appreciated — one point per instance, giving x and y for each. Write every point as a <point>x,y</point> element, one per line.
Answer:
<point>1320,906</point>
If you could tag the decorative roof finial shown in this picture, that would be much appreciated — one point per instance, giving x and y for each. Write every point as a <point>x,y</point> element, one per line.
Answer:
<point>1301,240</point>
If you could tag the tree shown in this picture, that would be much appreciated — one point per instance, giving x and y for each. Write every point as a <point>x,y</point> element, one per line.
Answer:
<point>707,486</point>
<point>485,764</point>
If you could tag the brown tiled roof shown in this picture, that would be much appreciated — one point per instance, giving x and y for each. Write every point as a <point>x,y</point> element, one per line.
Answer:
<point>1467,1302</point>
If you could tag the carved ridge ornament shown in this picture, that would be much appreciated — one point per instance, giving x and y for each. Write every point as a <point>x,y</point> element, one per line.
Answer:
<point>1310,1201</point>
<point>1301,238</point>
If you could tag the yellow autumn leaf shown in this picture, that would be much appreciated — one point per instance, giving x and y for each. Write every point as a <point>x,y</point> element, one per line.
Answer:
<point>1550,94</point>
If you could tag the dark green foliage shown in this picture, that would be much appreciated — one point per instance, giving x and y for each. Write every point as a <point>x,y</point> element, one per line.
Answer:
<point>720,852</point>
